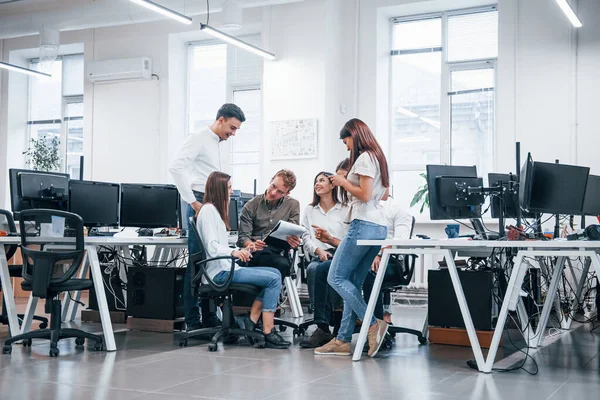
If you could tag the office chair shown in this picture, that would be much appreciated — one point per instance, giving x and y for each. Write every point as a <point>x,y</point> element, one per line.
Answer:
<point>219,293</point>
<point>405,268</point>
<point>53,250</point>
<point>7,223</point>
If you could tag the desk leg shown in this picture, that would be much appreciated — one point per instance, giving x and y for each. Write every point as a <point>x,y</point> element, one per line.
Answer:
<point>464,309</point>
<point>9,296</point>
<point>549,302</point>
<point>364,329</point>
<point>513,286</point>
<point>109,338</point>
<point>29,313</point>
<point>69,310</point>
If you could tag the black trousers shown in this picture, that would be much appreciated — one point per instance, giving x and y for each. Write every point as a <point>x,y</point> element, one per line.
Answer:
<point>323,297</point>
<point>391,275</point>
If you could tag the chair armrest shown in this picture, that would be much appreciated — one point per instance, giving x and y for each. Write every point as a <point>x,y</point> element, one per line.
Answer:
<point>202,274</point>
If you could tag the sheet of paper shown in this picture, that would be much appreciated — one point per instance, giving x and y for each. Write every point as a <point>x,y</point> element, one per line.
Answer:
<point>284,229</point>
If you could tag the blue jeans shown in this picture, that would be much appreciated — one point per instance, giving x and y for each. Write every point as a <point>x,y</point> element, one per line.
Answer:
<point>349,267</point>
<point>190,301</point>
<point>269,279</point>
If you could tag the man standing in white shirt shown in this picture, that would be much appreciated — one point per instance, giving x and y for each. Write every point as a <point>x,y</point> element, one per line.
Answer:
<point>200,156</point>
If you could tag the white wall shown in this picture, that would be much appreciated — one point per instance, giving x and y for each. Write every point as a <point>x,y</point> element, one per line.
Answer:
<point>588,85</point>
<point>332,64</point>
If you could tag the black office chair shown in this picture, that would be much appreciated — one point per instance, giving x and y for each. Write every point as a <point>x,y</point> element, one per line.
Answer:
<point>52,254</point>
<point>219,293</point>
<point>7,223</point>
<point>404,268</point>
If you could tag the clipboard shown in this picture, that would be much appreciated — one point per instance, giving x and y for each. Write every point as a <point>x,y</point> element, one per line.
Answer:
<point>283,229</point>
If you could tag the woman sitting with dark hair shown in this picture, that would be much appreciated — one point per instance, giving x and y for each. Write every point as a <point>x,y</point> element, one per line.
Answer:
<point>324,223</point>
<point>213,223</point>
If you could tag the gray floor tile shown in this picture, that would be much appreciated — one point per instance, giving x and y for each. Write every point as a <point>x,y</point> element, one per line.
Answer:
<point>22,389</point>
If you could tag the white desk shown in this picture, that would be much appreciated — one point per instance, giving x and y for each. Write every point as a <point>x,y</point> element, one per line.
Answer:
<point>164,246</point>
<point>559,249</point>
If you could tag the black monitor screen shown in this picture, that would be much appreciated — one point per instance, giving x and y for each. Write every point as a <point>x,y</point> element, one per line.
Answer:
<point>149,206</point>
<point>37,191</point>
<point>234,220</point>
<point>96,202</point>
<point>437,208</point>
<point>526,182</point>
<point>557,188</point>
<point>591,203</point>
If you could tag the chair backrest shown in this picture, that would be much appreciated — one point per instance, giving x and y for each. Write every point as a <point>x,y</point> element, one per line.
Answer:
<point>53,249</point>
<point>404,264</point>
<point>7,223</point>
<point>198,256</point>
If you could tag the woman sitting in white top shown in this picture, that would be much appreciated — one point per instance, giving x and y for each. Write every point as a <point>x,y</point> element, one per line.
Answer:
<point>324,223</point>
<point>213,223</point>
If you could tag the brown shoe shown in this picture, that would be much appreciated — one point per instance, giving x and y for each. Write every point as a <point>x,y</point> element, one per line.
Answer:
<point>376,336</point>
<point>334,348</point>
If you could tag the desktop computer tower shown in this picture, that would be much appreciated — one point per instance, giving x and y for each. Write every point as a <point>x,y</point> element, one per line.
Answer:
<point>443,304</point>
<point>155,292</point>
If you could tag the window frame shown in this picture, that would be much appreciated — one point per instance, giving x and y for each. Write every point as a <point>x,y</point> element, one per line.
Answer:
<point>65,100</point>
<point>447,68</point>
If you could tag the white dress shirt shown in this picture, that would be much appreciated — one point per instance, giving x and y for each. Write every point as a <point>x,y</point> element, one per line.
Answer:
<point>199,157</point>
<point>332,221</point>
<point>399,221</point>
<point>371,211</point>
<point>214,236</point>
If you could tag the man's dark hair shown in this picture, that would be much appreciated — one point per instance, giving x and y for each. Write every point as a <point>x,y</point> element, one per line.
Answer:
<point>230,110</point>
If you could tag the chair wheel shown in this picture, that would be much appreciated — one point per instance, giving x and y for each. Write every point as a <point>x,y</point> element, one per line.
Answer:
<point>261,344</point>
<point>54,352</point>
<point>43,325</point>
<point>79,341</point>
<point>26,342</point>
<point>7,349</point>
<point>282,328</point>
<point>387,344</point>
<point>98,346</point>
<point>299,332</point>
<point>422,339</point>
<point>183,342</point>
<point>392,334</point>
<point>212,347</point>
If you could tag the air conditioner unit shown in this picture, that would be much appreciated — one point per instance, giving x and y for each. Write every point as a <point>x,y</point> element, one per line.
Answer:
<point>125,69</point>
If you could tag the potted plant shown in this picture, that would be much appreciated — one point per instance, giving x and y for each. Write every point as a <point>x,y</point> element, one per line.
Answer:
<point>43,154</point>
<point>422,195</point>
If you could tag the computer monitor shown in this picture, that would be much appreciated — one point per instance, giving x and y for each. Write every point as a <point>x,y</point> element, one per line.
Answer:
<point>444,182</point>
<point>509,198</point>
<point>234,219</point>
<point>591,203</point>
<point>555,188</point>
<point>525,183</point>
<point>149,206</point>
<point>97,203</point>
<point>37,189</point>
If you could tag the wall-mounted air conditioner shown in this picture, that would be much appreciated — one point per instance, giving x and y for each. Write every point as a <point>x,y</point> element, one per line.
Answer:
<point>126,69</point>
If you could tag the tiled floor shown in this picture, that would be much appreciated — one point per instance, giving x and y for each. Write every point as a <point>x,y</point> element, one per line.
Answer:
<point>153,366</point>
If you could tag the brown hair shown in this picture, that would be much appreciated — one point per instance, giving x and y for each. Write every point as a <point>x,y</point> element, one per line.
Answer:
<point>289,178</point>
<point>316,197</point>
<point>344,164</point>
<point>217,194</point>
<point>364,140</point>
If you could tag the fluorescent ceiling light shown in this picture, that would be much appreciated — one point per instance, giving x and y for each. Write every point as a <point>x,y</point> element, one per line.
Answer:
<point>16,68</point>
<point>163,10</point>
<point>236,42</point>
<point>566,8</point>
<point>431,122</point>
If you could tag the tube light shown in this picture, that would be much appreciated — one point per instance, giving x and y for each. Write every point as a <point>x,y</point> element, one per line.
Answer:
<point>236,42</point>
<point>566,8</point>
<point>163,10</point>
<point>16,68</point>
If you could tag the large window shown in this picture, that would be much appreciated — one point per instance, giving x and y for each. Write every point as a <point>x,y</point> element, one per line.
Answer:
<point>219,73</point>
<point>56,109</point>
<point>443,72</point>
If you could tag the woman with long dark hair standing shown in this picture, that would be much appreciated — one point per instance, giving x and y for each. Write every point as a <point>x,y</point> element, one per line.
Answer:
<point>366,184</point>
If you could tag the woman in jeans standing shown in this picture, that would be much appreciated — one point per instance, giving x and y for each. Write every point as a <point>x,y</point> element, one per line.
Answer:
<point>366,184</point>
